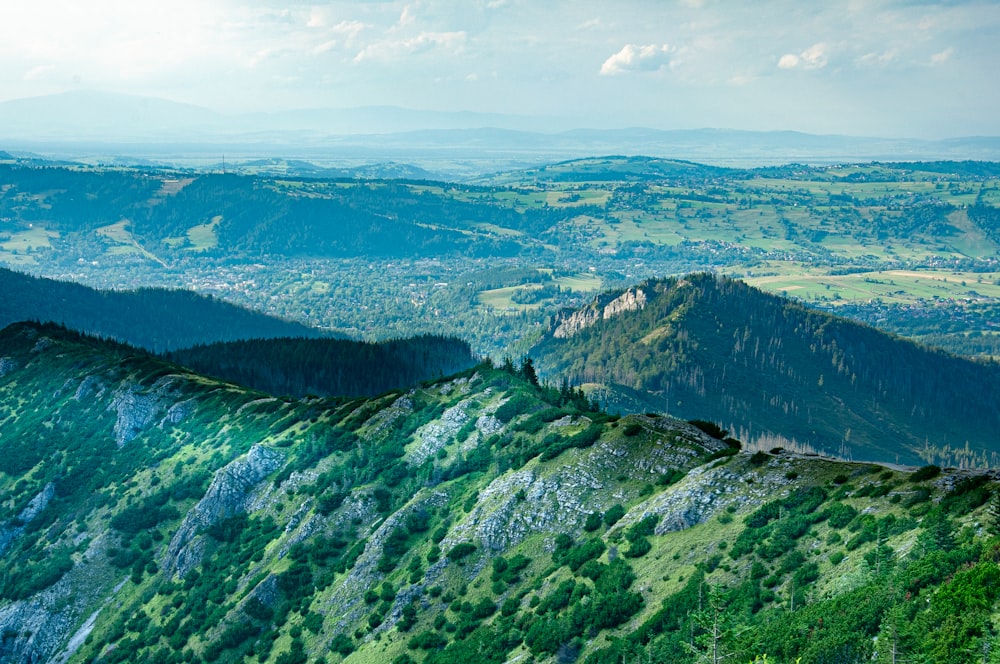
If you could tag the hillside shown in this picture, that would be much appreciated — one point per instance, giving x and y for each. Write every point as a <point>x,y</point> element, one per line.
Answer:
<point>328,367</point>
<point>153,318</point>
<point>777,373</point>
<point>150,514</point>
<point>901,246</point>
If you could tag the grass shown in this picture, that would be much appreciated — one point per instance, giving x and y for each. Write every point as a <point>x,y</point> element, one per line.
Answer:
<point>29,240</point>
<point>892,286</point>
<point>204,237</point>
<point>500,299</point>
<point>123,242</point>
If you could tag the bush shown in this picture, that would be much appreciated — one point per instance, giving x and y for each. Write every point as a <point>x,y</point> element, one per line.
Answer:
<point>925,473</point>
<point>461,551</point>
<point>838,515</point>
<point>711,428</point>
<point>758,458</point>
<point>633,429</point>
<point>426,640</point>
<point>638,548</point>
<point>614,513</point>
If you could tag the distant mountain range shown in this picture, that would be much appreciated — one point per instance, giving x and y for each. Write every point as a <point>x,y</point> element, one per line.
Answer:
<point>95,125</point>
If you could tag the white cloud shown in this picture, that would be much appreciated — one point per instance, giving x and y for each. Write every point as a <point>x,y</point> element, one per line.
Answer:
<point>942,57</point>
<point>407,17</point>
<point>814,57</point>
<point>424,42</point>
<point>637,58</point>
<point>38,72</point>
<point>788,61</point>
<point>878,59</point>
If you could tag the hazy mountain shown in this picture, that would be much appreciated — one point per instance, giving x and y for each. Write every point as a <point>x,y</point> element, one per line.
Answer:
<point>152,318</point>
<point>150,514</point>
<point>100,126</point>
<point>82,115</point>
<point>772,369</point>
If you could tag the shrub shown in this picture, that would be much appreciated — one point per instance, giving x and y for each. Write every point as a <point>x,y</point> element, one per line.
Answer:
<point>711,428</point>
<point>925,473</point>
<point>593,522</point>
<point>614,513</point>
<point>461,551</point>
<point>633,429</point>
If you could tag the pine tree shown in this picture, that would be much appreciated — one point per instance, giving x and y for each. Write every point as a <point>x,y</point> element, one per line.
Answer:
<point>993,510</point>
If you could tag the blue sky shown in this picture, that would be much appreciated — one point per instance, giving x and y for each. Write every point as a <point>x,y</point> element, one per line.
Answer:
<point>879,67</point>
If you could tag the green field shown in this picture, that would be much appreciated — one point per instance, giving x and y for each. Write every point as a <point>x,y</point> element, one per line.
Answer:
<point>18,247</point>
<point>891,286</point>
<point>204,237</point>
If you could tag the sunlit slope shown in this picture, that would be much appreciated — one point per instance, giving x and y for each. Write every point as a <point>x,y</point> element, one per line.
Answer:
<point>149,514</point>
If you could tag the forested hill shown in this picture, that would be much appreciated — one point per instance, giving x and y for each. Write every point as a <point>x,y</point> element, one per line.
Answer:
<point>152,318</point>
<point>148,514</point>
<point>767,367</point>
<point>328,367</point>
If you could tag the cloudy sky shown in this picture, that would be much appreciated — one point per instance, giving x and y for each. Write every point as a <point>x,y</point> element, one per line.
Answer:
<point>863,67</point>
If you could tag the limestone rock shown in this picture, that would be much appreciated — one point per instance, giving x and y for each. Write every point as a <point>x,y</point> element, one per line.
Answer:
<point>230,494</point>
<point>632,299</point>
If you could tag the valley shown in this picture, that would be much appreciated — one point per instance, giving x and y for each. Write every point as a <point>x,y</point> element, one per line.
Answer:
<point>492,259</point>
<point>601,411</point>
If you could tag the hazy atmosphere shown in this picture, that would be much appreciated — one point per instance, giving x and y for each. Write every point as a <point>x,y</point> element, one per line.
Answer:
<point>885,68</point>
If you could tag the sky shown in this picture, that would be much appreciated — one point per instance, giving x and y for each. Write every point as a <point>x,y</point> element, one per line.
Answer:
<point>895,68</point>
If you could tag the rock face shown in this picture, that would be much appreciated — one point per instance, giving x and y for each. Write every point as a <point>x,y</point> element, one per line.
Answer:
<point>630,300</point>
<point>435,435</point>
<point>633,299</point>
<point>230,494</point>
<point>6,366</point>
<point>39,628</point>
<point>138,408</point>
<point>10,531</point>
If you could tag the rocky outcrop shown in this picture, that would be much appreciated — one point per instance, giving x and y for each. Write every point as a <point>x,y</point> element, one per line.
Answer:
<point>230,494</point>
<point>438,434</point>
<point>631,300</point>
<point>379,423</point>
<point>347,597</point>
<point>7,365</point>
<point>40,628</point>
<point>91,385</point>
<point>138,408</point>
<point>12,530</point>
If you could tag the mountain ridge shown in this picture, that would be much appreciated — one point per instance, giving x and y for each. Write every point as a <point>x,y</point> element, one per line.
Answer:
<point>152,514</point>
<point>75,124</point>
<point>773,370</point>
<point>157,319</point>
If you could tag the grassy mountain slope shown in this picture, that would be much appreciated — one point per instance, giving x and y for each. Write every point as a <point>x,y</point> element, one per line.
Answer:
<point>328,367</point>
<point>771,369</point>
<point>150,514</point>
<point>153,318</point>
